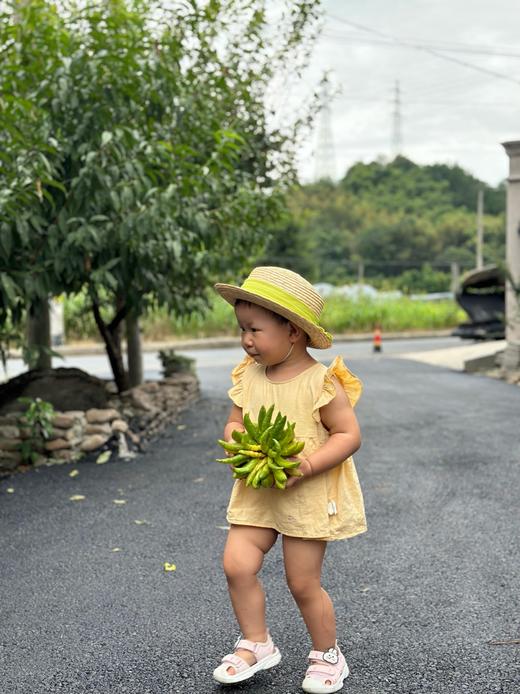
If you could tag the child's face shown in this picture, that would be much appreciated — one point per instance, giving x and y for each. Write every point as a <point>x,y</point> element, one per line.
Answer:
<point>263,337</point>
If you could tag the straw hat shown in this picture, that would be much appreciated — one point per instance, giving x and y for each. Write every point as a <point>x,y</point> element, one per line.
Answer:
<point>286,293</point>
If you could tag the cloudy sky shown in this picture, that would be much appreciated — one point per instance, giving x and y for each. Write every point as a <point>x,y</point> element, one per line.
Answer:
<point>457,63</point>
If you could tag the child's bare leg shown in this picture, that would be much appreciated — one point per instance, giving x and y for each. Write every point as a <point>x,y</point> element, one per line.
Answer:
<point>303,561</point>
<point>244,554</point>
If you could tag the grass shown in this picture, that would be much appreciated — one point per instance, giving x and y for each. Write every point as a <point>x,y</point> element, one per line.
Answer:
<point>340,316</point>
<point>343,315</point>
<point>219,320</point>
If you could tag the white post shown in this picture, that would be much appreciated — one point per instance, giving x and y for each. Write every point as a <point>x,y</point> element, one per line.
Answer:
<point>480,229</point>
<point>57,322</point>
<point>455,277</point>
<point>511,359</point>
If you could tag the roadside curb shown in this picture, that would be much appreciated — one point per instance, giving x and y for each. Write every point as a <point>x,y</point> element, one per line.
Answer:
<point>229,341</point>
<point>466,357</point>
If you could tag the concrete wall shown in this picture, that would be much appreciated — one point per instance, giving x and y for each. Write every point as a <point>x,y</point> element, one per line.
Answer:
<point>511,358</point>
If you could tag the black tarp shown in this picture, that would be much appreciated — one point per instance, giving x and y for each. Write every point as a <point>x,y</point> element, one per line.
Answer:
<point>482,296</point>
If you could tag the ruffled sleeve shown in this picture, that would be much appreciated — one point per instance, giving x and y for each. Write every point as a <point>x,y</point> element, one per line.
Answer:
<point>237,378</point>
<point>350,383</point>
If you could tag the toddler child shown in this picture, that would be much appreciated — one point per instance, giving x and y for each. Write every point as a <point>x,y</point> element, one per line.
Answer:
<point>278,313</point>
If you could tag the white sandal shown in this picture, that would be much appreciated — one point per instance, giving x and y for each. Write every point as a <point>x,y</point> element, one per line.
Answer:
<point>267,656</point>
<point>328,666</point>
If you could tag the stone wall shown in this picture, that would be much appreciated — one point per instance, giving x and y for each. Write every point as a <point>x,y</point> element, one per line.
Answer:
<point>132,418</point>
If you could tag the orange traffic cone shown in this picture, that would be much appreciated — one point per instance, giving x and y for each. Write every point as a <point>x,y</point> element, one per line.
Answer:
<point>377,339</point>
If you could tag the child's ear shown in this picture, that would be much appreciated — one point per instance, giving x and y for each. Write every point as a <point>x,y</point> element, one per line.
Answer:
<point>295,332</point>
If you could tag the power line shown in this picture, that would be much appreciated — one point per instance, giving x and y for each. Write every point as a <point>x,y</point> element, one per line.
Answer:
<point>446,88</point>
<point>431,51</point>
<point>426,102</point>
<point>441,45</point>
<point>413,43</point>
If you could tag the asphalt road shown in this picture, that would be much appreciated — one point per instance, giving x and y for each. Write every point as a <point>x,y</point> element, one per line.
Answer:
<point>225,358</point>
<point>420,598</point>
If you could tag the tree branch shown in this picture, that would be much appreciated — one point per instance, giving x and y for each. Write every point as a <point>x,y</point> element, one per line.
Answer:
<point>120,315</point>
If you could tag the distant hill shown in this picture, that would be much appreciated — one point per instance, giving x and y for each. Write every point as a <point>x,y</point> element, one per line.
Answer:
<point>408,187</point>
<point>399,223</point>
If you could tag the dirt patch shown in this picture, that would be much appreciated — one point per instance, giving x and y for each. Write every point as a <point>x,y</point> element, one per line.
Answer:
<point>65,389</point>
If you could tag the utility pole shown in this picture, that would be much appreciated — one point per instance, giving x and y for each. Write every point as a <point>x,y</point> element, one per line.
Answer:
<point>455,276</point>
<point>480,228</point>
<point>511,359</point>
<point>397,140</point>
<point>325,163</point>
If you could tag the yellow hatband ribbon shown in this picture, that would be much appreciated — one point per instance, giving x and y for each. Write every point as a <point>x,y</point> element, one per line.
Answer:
<point>280,296</point>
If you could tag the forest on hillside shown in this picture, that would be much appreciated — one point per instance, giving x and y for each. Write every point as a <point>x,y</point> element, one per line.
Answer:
<point>395,225</point>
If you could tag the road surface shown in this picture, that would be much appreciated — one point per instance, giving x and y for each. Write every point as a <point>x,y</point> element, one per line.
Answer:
<point>426,601</point>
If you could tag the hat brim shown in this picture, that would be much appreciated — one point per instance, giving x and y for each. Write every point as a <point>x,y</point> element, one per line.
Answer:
<point>232,293</point>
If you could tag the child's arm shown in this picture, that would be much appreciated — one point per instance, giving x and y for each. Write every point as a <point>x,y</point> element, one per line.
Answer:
<point>234,422</point>
<point>344,440</point>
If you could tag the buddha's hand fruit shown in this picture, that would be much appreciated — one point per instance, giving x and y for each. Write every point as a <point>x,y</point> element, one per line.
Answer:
<point>261,455</point>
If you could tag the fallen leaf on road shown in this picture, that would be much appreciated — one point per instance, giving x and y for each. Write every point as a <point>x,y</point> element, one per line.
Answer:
<point>77,497</point>
<point>120,502</point>
<point>10,490</point>
<point>169,567</point>
<point>142,522</point>
<point>180,427</point>
<point>73,473</point>
<point>103,457</point>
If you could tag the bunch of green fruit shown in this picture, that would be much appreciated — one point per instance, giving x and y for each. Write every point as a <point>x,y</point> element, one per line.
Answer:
<point>261,453</point>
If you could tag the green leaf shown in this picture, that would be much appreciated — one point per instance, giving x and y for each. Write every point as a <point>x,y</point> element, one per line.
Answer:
<point>23,230</point>
<point>127,197</point>
<point>6,240</point>
<point>62,220</point>
<point>10,288</point>
<point>114,197</point>
<point>103,457</point>
<point>54,184</point>
<point>177,249</point>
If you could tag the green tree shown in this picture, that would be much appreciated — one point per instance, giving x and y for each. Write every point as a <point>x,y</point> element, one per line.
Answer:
<point>425,279</point>
<point>391,218</point>
<point>494,239</point>
<point>399,186</point>
<point>464,188</point>
<point>27,169</point>
<point>328,219</point>
<point>395,244</point>
<point>284,248</point>
<point>162,170</point>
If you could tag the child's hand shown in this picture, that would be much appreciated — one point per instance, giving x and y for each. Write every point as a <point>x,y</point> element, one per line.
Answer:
<point>230,439</point>
<point>305,468</point>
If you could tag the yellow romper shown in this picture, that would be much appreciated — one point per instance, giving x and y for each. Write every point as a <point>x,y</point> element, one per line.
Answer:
<point>328,506</point>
